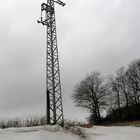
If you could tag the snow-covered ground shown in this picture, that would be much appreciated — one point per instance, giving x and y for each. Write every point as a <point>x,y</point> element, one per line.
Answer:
<point>114,133</point>
<point>56,133</point>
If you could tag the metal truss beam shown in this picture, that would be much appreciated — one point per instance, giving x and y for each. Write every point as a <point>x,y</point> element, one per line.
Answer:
<point>54,109</point>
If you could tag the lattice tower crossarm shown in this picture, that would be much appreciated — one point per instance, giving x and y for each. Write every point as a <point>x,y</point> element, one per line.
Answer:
<point>54,108</point>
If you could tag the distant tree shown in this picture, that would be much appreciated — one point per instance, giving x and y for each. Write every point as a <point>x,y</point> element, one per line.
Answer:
<point>90,93</point>
<point>133,80</point>
<point>124,90</point>
<point>115,92</point>
<point>111,101</point>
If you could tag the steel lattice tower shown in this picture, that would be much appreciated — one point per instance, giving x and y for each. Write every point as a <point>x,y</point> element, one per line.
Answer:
<point>54,108</point>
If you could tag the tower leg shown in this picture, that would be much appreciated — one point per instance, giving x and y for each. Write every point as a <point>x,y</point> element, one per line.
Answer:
<point>48,107</point>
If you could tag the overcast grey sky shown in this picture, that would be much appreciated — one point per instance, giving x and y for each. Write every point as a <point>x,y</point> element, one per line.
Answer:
<point>98,35</point>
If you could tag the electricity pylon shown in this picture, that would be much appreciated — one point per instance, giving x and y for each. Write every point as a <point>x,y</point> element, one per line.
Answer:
<point>54,108</point>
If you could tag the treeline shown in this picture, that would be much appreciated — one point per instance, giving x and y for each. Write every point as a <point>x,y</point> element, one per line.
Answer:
<point>124,93</point>
<point>118,95</point>
<point>18,122</point>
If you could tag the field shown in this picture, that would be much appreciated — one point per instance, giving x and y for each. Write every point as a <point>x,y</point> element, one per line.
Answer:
<point>57,133</point>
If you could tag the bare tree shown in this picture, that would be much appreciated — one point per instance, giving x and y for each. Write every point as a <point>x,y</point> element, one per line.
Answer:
<point>133,80</point>
<point>124,90</point>
<point>90,93</point>
<point>115,93</point>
